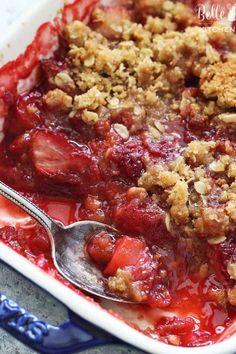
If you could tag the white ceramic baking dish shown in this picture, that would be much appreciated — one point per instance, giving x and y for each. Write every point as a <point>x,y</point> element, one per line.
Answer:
<point>11,45</point>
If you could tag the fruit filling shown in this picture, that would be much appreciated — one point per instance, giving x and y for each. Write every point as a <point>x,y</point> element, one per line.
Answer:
<point>131,122</point>
<point>130,267</point>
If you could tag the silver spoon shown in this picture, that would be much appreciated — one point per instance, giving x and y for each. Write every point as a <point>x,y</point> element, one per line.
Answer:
<point>68,246</point>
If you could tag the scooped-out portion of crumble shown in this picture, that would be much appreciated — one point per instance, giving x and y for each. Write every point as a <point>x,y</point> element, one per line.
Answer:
<point>133,121</point>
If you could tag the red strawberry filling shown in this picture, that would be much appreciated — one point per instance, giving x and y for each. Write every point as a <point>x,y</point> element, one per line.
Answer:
<point>55,157</point>
<point>130,268</point>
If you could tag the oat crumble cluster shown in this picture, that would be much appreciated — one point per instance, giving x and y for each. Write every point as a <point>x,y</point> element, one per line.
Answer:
<point>157,72</point>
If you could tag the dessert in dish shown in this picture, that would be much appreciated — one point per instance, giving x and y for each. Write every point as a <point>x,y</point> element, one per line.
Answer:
<point>132,123</point>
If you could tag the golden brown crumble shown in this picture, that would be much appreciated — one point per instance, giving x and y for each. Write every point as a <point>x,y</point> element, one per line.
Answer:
<point>227,118</point>
<point>231,269</point>
<point>218,81</point>
<point>149,60</point>
<point>232,295</point>
<point>92,99</point>
<point>200,152</point>
<point>122,284</point>
<point>64,81</point>
<point>58,99</point>
<point>89,117</point>
<point>189,191</point>
<point>178,194</point>
<point>158,176</point>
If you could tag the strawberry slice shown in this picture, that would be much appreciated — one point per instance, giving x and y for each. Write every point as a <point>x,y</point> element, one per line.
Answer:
<point>100,248</point>
<point>133,257</point>
<point>140,219</point>
<point>26,113</point>
<point>55,157</point>
<point>220,256</point>
<point>128,251</point>
<point>175,325</point>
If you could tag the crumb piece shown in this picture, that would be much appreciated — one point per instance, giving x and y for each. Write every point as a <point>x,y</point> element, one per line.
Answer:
<point>227,118</point>
<point>58,99</point>
<point>179,213</point>
<point>64,81</point>
<point>232,295</point>
<point>110,23</point>
<point>181,13</point>
<point>179,166</point>
<point>220,165</point>
<point>202,187</point>
<point>230,209</point>
<point>137,192</point>
<point>178,198</point>
<point>121,130</point>
<point>122,283</point>
<point>179,194</point>
<point>92,99</point>
<point>212,54</point>
<point>157,176</point>
<point>218,295</point>
<point>232,170</point>
<point>77,33</point>
<point>231,269</point>
<point>114,103</point>
<point>158,25</point>
<point>90,117</point>
<point>218,81</point>
<point>154,133</point>
<point>200,152</point>
<point>212,222</point>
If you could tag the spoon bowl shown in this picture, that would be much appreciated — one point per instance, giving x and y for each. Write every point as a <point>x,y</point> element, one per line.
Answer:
<point>71,259</point>
<point>68,246</point>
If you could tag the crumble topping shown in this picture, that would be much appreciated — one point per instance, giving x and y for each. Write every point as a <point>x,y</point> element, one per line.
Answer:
<point>232,295</point>
<point>57,99</point>
<point>92,99</point>
<point>140,68</point>
<point>90,117</point>
<point>124,65</point>
<point>147,61</point>
<point>199,152</point>
<point>64,81</point>
<point>218,81</point>
<point>191,192</point>
<point>122,283</point>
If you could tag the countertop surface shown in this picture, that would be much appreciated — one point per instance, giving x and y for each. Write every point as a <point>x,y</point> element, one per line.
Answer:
<point>15,286</point>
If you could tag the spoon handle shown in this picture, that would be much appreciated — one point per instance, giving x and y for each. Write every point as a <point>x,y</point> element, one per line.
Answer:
<point>28,206</point>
